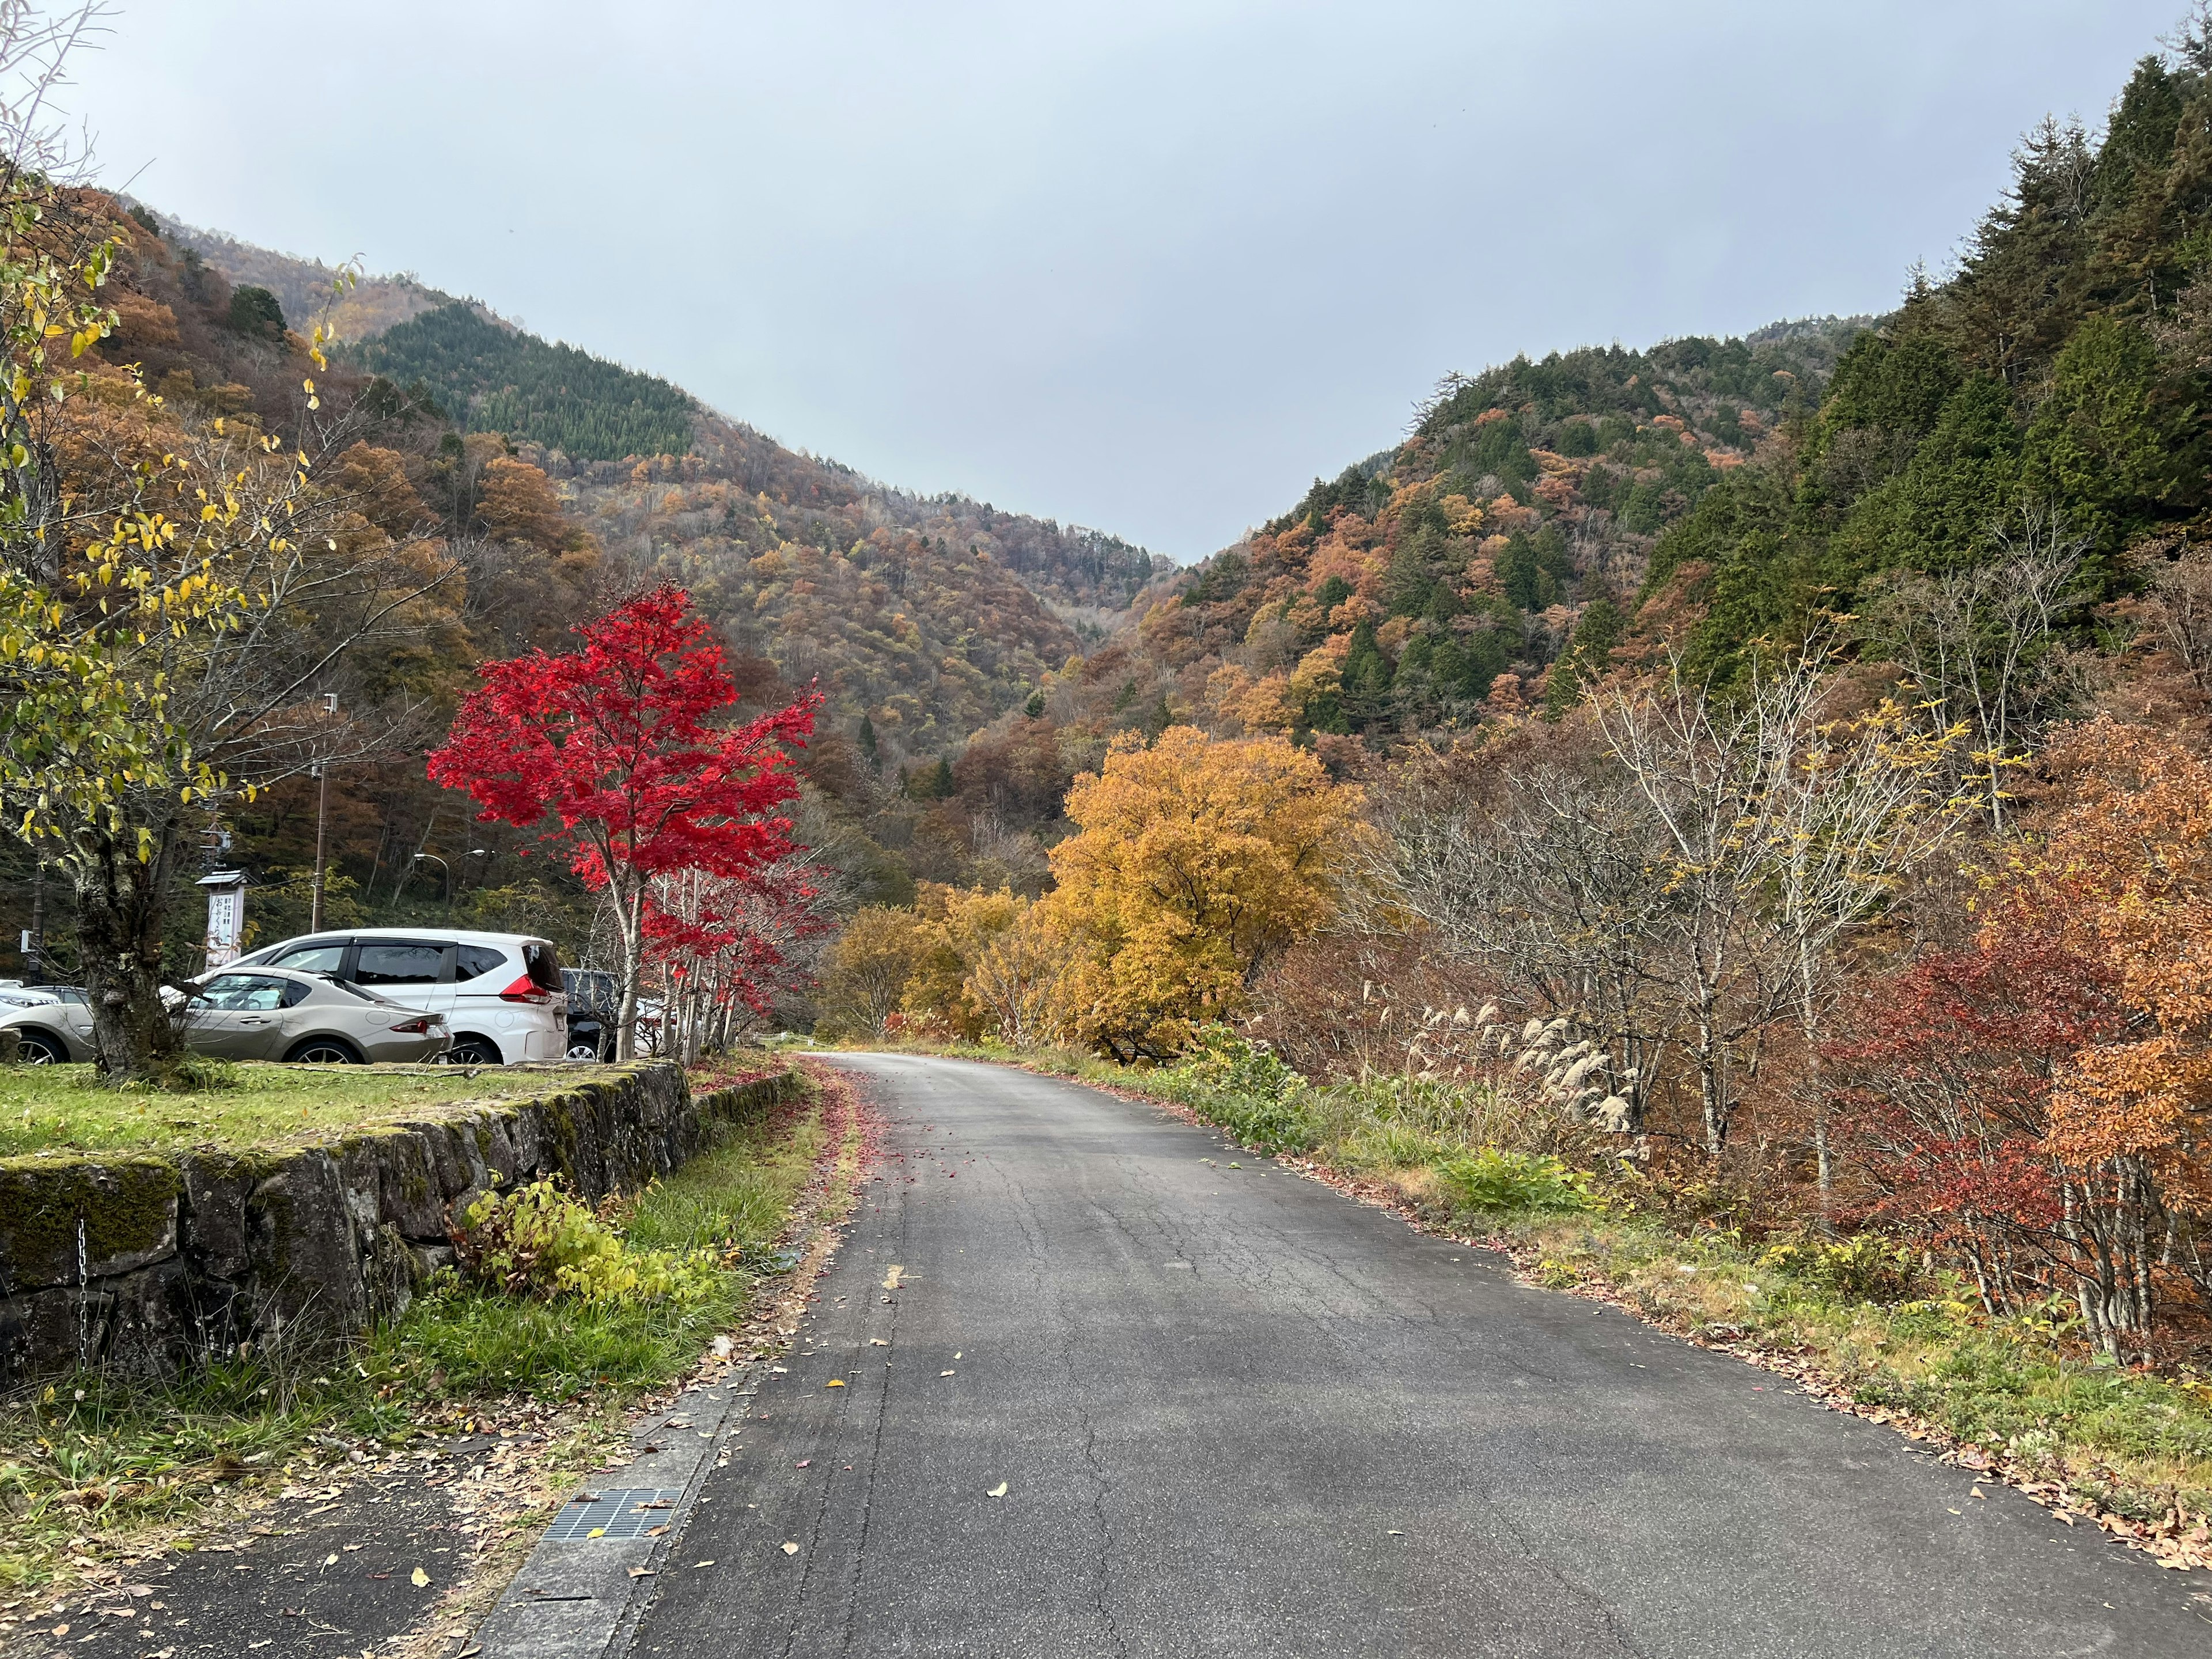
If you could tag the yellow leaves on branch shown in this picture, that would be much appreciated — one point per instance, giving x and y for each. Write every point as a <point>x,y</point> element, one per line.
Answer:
<point>1197,858</point>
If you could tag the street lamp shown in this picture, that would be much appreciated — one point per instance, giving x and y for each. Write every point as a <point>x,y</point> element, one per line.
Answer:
<point>448,869</point>
<point>320,771</point>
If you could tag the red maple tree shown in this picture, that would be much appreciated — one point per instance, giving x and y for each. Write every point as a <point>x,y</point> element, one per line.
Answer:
<point>615,746</point>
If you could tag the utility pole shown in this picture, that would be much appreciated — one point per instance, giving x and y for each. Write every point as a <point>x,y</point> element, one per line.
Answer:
<point>322,775</point>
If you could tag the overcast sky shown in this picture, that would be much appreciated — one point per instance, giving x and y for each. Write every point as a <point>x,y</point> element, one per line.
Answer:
<point>1147,266</point>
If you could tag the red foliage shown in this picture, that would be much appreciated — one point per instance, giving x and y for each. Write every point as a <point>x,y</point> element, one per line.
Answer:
<point>615,745</point>
<point>1948,1072</point>
<point>613,741</point>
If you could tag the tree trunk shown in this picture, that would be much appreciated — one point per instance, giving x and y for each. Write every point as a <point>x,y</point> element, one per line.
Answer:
<point>121,909</point>
<point>1711,1082</point>
<point>632,918</point>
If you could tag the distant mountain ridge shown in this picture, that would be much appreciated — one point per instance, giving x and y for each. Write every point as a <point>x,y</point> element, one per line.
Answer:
<point>927,615</point>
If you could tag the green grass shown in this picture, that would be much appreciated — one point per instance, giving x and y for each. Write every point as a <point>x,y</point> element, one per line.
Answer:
<point>103,1461</point>
<point>732,1200</point>
<point>66,1109</point>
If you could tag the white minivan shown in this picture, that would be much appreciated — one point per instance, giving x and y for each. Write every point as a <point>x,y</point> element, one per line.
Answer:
<point>500,994</point>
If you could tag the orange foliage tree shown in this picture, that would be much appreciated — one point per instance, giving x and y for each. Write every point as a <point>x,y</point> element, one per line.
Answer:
<point>2123,876</point>
<point>2043,1102</point>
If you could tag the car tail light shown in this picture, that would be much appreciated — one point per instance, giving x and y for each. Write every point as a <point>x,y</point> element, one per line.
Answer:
<point>417,1027</point>
<point>526,989</point>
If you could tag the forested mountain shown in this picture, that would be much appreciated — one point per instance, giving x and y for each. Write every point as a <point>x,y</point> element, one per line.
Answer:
<point>923,619</point>
<point>348,305</point>
<point>490,376</point>
<point>2047,401</point>
<point>1433,581</point>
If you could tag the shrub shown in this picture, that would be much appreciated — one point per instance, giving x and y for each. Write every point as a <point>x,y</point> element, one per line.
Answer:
<point>539,1240</point>
<point>1224,1060</point>
<point>1867,1268</point>
<point>1516,1184</point>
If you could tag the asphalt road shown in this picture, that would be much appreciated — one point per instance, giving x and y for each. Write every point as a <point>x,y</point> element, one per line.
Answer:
<point>1236,1413</point>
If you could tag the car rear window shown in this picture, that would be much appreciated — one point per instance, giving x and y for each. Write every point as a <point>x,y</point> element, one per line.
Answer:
<point>398,962</point>
<point>544,964</point>
<point>478,960</point>
<point>246,993</point>
<point>589,992</point>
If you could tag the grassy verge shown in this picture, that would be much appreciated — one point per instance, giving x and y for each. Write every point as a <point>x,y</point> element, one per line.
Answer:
<point>1868,1326</point>
<point>94,1467</point>
<point>55,1108</point>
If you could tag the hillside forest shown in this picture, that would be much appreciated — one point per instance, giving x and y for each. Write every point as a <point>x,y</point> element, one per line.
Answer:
<point>1767,775</point>
<point>1764,779</point>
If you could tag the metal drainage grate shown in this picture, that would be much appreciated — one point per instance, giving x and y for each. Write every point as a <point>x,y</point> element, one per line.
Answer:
<point>616,1516</point>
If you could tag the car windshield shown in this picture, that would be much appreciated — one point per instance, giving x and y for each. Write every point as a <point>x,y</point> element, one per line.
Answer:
<point>314,955</point>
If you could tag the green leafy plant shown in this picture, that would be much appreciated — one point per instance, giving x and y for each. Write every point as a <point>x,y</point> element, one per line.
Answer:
<point>1226,1060</point>
<point>1516,1184</point>
<point>1867,1269</point>
<point>538,1241</point>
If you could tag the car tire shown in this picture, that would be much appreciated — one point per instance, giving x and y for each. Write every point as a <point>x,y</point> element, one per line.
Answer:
<point>323,1051</point>
<point>39,1049</point>
<point>473,1051</point>
<point>583,1051</point>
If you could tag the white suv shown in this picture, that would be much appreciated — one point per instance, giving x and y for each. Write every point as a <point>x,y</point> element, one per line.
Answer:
<point>500,994</point>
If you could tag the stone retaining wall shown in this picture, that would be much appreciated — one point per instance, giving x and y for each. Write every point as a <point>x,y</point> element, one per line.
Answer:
<point>147,1264</point>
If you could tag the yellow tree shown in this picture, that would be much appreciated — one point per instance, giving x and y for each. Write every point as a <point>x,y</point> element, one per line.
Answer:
<point>174,590</point>
<point>1198,859</point>
<point>865,972</point>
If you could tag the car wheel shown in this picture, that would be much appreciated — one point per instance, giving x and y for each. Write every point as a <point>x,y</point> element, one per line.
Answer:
<point>323,1051</point>
<point>583,1051</point>
<point>39,1049</point>
<point>473,1051</point>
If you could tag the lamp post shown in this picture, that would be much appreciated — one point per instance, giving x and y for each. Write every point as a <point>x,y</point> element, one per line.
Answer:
<point>486,854</point>
<point>448,880</point>
<point>321,773</point>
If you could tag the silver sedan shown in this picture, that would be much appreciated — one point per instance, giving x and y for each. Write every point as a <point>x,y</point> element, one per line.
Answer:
<point>267,1013</point>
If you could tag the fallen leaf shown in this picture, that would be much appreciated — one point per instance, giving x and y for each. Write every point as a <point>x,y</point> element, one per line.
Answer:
<point>956,1356</point>
<point>641,1572</point>
<point>703,1563</point>
<point>802,1462</point>
<point>833,1383</point>
<point>998,1490</point>
<point>791,1549</point>
<point>878,1342</point>
<point>891,1279</point>
<point>1393,1532</point>
<point>418,1578</point>
<point>947,1373</point>
<point>330,1560</point>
